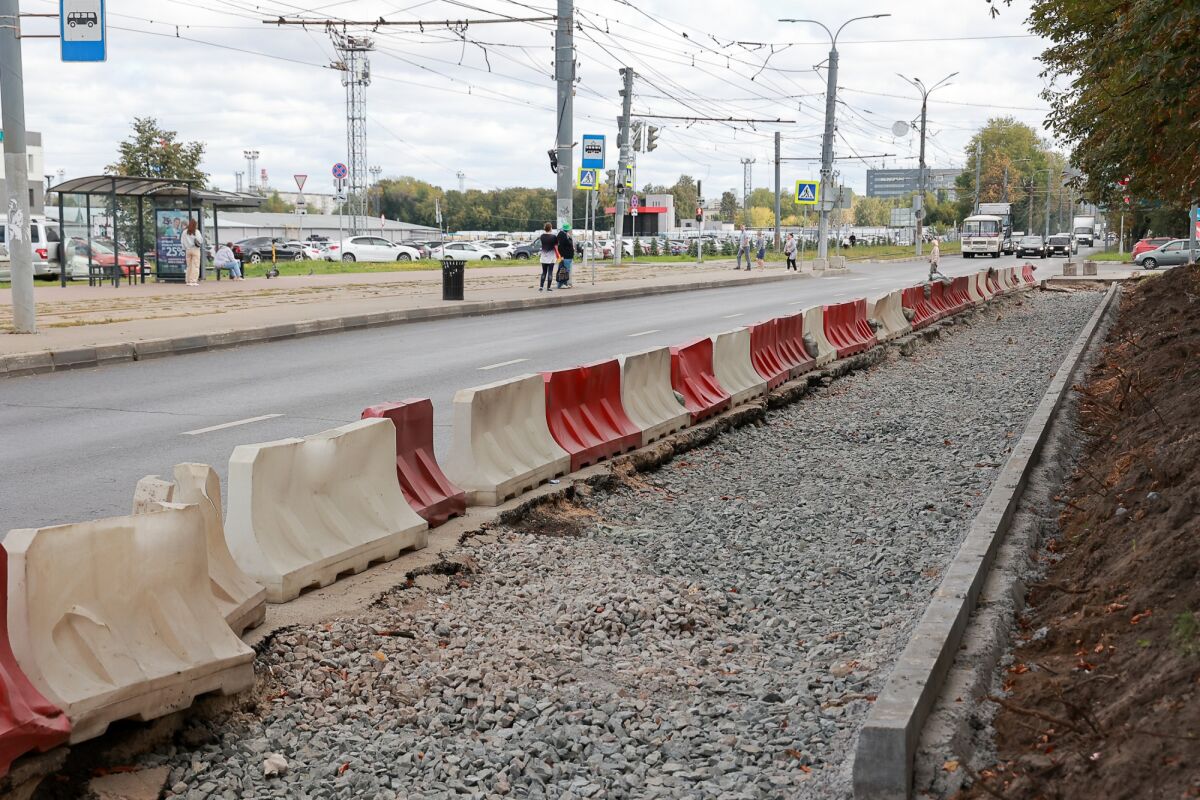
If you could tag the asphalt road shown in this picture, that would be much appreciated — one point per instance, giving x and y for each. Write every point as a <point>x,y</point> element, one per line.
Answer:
<point>75,443</point>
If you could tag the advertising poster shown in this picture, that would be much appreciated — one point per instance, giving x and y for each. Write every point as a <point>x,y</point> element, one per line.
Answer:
<point>169,223</point>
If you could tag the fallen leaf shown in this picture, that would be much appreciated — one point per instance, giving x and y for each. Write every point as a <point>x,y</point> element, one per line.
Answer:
<point>1018,669</point>
<point>1099,649</point>
<point>950,766</point>
<point>380,655</point>
<point>805,769</point>
<point>342,769</point>
<point>1136,618</point>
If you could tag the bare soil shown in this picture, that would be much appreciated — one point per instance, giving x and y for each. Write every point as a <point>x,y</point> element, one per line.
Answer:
<point>1103,696</point>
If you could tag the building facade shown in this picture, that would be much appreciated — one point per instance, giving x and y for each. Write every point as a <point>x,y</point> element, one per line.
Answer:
<point>37,181</point>
<point>904,182</point>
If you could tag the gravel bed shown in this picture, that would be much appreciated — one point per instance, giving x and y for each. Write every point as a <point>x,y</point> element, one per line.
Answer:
<point>716,629</point>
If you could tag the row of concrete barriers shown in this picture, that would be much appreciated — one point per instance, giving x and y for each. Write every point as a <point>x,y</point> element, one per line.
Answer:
<point>136,616</point>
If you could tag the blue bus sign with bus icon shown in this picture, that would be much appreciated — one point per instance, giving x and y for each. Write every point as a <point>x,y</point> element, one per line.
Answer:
<point>82,31</point>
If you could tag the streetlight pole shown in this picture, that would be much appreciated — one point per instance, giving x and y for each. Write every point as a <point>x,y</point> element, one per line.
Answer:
<point>830,125</point>
<point>16,167</point>
<point>921,183</point>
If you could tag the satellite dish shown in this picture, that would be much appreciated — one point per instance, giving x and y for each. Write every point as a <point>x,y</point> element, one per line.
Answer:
<point>900,128</point>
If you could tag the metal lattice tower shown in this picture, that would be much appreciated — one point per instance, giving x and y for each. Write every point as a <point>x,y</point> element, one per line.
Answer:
<point>356,77</point>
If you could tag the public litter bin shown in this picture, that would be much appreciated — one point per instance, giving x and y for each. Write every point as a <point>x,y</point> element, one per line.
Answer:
<point>452,279</point>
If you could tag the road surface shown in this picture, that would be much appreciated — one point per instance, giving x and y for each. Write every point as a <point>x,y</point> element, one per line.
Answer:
<point>75,443</point>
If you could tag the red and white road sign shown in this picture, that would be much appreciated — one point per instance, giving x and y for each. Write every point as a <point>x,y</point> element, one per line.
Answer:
<point>300,179</point>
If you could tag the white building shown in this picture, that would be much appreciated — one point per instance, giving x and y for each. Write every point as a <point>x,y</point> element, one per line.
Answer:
<point>37,181</point>
<point>235,225</point>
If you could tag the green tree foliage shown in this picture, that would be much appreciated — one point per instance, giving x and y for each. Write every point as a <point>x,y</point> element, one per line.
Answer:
<point>1012,156</point>
<point>684,192</point>
<point>153,152</point>
<point>729,206</point>
<point>1125,92</point>
<point>277,204</point>
<point>872,211</point>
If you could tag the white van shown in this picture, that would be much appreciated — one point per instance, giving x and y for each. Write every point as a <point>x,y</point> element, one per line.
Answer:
<point>43,238</point>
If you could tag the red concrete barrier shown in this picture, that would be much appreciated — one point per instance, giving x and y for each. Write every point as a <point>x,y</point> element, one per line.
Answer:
<point>846,327</point>
<point>28,721</point>
<point>939,298</point>
<point>923,311</point>
<point>426,488</point>
<point>692,376</point>
<point>765,355</point>
<point>1027,274</point>
<point>993,282</point>
<point>791,345</point>
<point>960,293</point>
<point>585,414</point>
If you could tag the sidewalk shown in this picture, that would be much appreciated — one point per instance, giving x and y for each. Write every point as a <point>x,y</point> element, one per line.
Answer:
<point>82,326</point>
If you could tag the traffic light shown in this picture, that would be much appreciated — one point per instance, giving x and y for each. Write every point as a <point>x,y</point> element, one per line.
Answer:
<point>651,138</point>
<point>636,133</point>
<point>553,160</point>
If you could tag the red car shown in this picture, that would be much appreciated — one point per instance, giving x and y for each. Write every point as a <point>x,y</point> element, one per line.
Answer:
<point>102,256</point>
<point>1145,245</point>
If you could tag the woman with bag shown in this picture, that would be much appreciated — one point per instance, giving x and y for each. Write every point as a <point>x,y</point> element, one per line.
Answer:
<point>548,259</point>
<point>192,241</point>
<point>566,254</point>
<point>789,251</point>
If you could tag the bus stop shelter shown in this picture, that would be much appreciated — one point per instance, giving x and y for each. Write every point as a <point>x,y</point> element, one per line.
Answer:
<point>172,201</point>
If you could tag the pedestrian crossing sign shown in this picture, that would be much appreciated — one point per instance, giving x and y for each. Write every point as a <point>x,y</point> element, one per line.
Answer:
<point>588,180</point>
<point>807,193</point>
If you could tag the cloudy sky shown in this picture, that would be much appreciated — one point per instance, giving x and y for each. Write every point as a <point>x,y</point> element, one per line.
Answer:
<point>482,102</point>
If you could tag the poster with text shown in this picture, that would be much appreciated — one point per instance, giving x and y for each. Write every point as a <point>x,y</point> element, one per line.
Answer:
<point>169,223</point>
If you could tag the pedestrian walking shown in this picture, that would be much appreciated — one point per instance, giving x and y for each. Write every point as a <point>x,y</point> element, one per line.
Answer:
<point>935,258</point>
<point>566,255</point>
<point>789,251</point>
<point>192,241</point>
<point>224,260</point>
<point>548,258</point>
<point>760,250</point>
<point>743,248</point>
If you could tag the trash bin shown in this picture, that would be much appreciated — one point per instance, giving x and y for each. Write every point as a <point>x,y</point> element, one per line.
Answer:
<point>452,279</point>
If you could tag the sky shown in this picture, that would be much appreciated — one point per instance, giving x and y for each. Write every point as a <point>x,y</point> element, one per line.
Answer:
<point>482,101</point>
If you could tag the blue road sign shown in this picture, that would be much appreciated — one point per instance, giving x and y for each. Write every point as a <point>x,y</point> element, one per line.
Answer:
<point>81,27</point>
<point>807,192</point>
<point>588,180</point>
<point>340,171</point>
<point>593,151</point>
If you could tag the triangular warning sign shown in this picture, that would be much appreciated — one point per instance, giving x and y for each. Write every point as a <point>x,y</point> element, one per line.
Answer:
<point>806,192</point>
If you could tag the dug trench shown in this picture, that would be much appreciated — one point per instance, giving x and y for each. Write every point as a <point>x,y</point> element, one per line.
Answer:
<point>709,617</point>
<point>1100,697</point>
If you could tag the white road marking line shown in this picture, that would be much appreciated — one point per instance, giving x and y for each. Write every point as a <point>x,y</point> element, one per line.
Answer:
<point>644,333</point>
<point>225,425</point>
<point>731,316</point>
<point>798,303</point>
<point>505,363</point>
<point>856,280</point>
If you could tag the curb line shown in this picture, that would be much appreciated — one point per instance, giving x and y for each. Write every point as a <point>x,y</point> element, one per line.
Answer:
<point>42,361</point>
<point>887,743</point>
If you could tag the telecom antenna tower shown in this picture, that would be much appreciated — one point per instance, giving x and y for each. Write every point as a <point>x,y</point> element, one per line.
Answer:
<point>356,77</point>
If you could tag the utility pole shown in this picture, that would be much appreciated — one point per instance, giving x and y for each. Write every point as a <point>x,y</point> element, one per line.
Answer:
<point>977,165</point>
<point>919,206</point>
<point>564,75</point>
<point>746,180</point>
<point>376,171</point>
<point>462,181</point>
<point>356,77</point>
<point>251,170</point>
<point>830,125</point>
<point>778,243</point>
<point>623,161</point>
<point>1046,238</point>
<point>16,169</point>
<point>237,180</point>
<point>1193,223</point>
<point>699,223</point>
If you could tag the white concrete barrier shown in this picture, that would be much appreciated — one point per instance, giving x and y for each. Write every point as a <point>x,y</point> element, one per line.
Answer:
<point>732,366</point>
<point>973,290</point>
<point>502,445</point>
<point>888,311</point>
<point>304,511</point>
<point>113,618</point>
<point>242,602</point>
<point>1009,280</point>
<point>981,285</point>
<point>646,392</point>
<point>814,326</point>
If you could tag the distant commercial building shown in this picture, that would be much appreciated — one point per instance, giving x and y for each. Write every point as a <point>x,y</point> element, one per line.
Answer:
<point>656,215</point>
<point>904,182</point>
<point>37,181</point>
<point>235,225</point>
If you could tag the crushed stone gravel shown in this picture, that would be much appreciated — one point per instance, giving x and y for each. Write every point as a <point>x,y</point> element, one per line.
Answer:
<point>716,629</point>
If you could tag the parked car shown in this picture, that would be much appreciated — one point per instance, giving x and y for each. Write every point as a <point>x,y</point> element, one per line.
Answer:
<point>1031,246</point>
<point>102,256</point>
<point>43,238</point>
<point>464,251</point>
<point>420,247</point>
<point>1148,244</point>
<point>502,248</point>
<point>370,248</point>
<point>1171,254</point>
<point>524,251</point>
<point>257,249</point>
<point>1061,244</point>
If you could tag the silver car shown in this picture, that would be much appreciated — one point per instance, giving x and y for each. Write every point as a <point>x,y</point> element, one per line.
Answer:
<point>1172,254</point>
<point>1032,245</point>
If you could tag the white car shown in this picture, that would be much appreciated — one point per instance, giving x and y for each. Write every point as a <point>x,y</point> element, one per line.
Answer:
<point>464,251</point>
<point>369,248</point>
<point>502,248</point>
<point>313,251</point>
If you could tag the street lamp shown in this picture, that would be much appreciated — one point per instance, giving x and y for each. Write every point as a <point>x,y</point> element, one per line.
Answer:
<point>925,92</point>
<point>830,114</point>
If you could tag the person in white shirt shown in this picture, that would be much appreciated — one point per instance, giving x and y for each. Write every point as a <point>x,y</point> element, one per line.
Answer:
<point>225,260</point>
<point>192,241</point>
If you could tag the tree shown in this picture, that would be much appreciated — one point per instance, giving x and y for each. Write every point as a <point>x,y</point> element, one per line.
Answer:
<point>1125,86</point>
<point>684,192</point>
<point>152,152</point>
<point>277,204</point>
<point>1011,155</point>
<point>729,206</point>
<point>874,212</point>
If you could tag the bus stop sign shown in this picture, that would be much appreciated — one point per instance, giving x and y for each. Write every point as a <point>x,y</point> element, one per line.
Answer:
<point>81,28</point>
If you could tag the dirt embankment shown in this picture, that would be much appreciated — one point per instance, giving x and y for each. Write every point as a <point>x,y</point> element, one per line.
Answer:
<point>1104,691</point>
